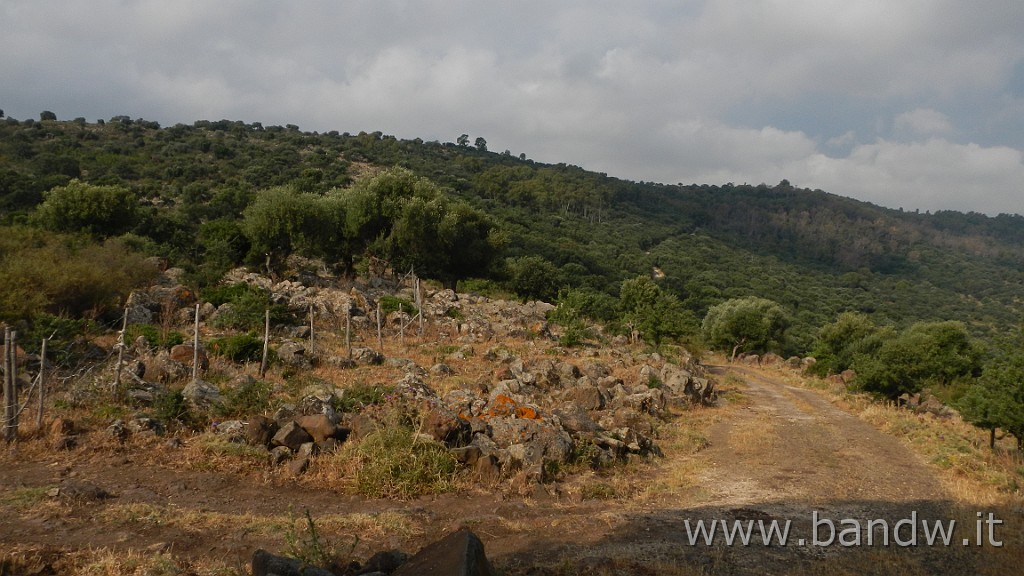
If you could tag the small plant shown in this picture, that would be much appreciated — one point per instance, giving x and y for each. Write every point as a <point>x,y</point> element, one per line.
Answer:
<point>249,305</point>
<point>171,407</point>
<point>310,548</point>
<point>251,397</point>
<point>239,348</point>
<point>155,338</point>
<point>360,395</point>
<point>389,304</point>
<point>392,462</point>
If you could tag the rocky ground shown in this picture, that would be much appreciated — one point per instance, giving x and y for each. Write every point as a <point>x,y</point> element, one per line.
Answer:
<point>571,461</point>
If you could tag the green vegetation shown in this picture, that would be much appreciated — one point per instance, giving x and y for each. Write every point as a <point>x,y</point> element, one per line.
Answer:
<point>393,462</point>
<point>765,267</point>
<point>239,348</point>
<point>996,400</point>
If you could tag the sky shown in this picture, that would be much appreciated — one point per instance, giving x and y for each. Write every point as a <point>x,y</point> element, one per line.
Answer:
<point>914,104</point>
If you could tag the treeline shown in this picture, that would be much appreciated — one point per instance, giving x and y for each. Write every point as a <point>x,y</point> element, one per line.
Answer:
<point>215,194</point>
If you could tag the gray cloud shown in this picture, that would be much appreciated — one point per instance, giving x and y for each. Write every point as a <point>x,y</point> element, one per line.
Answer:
<point>914,105</point>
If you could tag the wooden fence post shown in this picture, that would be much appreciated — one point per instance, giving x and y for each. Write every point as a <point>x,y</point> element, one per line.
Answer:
<point>120,353</point>
<point>195,348</point>
<point>348,332</point>
<point>11,385</point>
<point>42,383</point>
<point>266,344</point>
<point>380,337</point>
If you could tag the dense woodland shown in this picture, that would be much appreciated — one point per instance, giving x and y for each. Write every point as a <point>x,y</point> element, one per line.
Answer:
<point>83,203</point>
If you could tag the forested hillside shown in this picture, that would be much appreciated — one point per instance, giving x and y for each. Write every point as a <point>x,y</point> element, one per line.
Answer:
<point>93,194</point>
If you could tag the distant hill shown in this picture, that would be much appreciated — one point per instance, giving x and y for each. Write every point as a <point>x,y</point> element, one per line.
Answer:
<point>815,253</point>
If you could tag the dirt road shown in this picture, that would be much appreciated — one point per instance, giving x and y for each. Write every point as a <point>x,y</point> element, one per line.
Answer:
<point>777,453</point>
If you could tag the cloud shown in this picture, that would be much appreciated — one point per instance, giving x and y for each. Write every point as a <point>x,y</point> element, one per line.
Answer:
<point>923,122</point>
<point>905,103</point>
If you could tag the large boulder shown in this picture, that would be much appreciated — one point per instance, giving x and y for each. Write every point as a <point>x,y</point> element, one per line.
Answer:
<point>460,553</point>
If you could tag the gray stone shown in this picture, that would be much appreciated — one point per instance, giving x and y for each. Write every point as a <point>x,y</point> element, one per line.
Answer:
<point>292,436</point>
<point>201,394</point>
<point>266,564</point>
<point>460,553</point>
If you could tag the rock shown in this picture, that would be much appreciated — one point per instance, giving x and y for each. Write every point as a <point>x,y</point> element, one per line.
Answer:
<point>78,490</point>
<point>202,394</point>
<point>595,370</point>
<point>293,354</point>
<point>367,357</point>
<point>461,553</point>
<point>530,441</point>
<point>260,431</point>
<point>266,564</point>
<point>298,466</point>
<point>143,425</point>
<point>279,454</point>
<point>575,419</point>
<point>118,430</point>
<point>384,562</point>
<point>587,396</point>
<point>292,436</point>
<point>441,369</point>
<point>183,354</point>
<point>319,426</point>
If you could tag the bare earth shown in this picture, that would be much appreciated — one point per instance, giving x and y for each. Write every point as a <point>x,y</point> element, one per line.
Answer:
<point>775,453</point>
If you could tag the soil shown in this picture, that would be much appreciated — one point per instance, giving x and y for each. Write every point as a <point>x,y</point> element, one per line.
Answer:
<point>774,452</point>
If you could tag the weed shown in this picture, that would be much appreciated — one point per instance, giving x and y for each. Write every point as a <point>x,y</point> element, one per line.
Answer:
<point>360,395</point>
<point>251,397</point>
<point>239,348</point>
<point>309,547</point>
<point>171,407</point>
<point>153,335</point>
<point>389,304</point>
<point>392,462</point>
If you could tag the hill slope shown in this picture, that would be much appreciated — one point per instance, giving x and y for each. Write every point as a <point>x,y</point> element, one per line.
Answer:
<point>816,253</point>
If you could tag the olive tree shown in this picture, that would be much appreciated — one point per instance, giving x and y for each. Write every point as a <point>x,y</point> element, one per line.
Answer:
<point>745,324</point>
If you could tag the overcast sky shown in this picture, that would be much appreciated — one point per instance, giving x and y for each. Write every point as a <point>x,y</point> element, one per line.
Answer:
<point>916,104</point>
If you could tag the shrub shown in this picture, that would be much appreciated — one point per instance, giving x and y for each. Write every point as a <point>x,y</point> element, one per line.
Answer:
<point>252,397</point>
<point>361,394</point>
<point>171,407</point>
<point>389,304</point>
<point>155,337</point>
<point>239,348</point>
<point>249,305</point>
<point>392,462</point>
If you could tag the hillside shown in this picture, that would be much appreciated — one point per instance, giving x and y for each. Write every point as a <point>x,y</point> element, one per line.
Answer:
<point>815,253</point>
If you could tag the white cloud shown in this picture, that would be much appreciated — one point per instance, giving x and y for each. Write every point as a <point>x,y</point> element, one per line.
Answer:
<point>875,99</point>
<point>923,122</point>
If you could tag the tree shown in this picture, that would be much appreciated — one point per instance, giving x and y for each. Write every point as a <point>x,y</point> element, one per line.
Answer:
<point>47,115</point>
<point>101,211</point>
<point>926,354</point>
<point>463,140</point>
<point>997,399</point>
<point>480,144</point>
<point>534,278</point>
<point>747,324</point>
<point>655,314</point>
<point>839,343</point>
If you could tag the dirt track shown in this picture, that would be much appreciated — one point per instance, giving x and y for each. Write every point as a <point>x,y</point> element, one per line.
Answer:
<point>777,453</point>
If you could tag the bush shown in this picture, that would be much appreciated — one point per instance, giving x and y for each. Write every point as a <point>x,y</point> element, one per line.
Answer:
<point>238,348</point>
<point>360,395</point>
<point>252,397</point>
<point>155,338</point>
<point>393,463</point>
<point>249,306</point>
<point>389,304</point>
<point>171,407</point>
